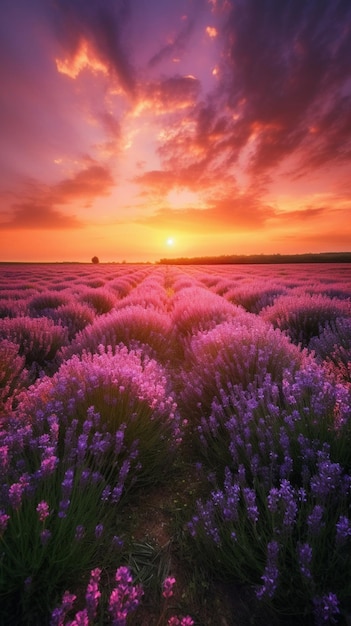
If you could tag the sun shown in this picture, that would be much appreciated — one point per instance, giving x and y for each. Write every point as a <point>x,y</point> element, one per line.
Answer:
<point>170,241</point>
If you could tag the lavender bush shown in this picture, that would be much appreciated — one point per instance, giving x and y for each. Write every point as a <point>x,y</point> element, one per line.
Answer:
<point>278,513</point>
<point>304,316</point>
<point>73,316</point>
<point>101,300</point>
<point>241,352</point>
<point>13,375</point>
<point>43,303</point>
<point>333,347</point>
<point>38,339</point>
<point>133,326</point>
<point>128,391</point>
<point>78,442</point>
<point>196,309</point>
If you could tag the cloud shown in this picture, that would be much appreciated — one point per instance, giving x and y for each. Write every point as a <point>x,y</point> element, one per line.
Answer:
<point>168,95</point>
<point>175,46</point>
<point>302,215</point>
<point>87,184</point>
<point>94,35</point>
<point>287,62</point>
<point>230,213</point>
<point>33,216</point>
<point>157,181</point>
<point>283,89</point>
<point>38,210</point>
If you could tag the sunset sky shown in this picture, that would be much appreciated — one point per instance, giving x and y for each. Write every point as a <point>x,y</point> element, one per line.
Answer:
<point>142,129</point>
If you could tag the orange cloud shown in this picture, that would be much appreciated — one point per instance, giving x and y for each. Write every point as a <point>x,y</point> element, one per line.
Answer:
<point>38,209</point>
<point>32,215</point>
<point>231,213</point>
<point>84,58</point>
<point>168,96</point>
<point>87,184</point>
<point>211,32</point>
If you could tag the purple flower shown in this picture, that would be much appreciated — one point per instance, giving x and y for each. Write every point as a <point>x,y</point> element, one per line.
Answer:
<point>326,608</point>
<point>271,573</point>
<point>119,439</point>
<point>105,496</point>
<point>273,499</point>
<point>304,552</point>
<point>45,536</point>
<point>123,576</point>
<point>287,494</point>
<point>80,532</point>
<point>63,508</point>
<point>328,479</point>
<point>4,458</point>
<point>4,518</point>
<point>314,520</point>
<point>67,483</point>
<point>57,617</point>
<point>124,598</point>
<point>343,530</point>
<point>251,506</point>
<point>117,542</point>
<point>99,529</point>
<point>15,495</point>
<point>284,499</point>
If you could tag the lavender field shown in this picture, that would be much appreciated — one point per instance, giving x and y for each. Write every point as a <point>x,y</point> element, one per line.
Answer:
<point>175,445</point>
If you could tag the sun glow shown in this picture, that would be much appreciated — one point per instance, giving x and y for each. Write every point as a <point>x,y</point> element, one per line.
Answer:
<point>170,241</point>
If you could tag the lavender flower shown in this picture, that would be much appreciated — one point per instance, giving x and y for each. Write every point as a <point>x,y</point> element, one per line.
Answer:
<point>167,587</point>
<point>125,598</point>
<point>48,465</point>
<point>58,615</point>
<point>315,520</point>
<point>79,533</point>
<point>271,573</point>
<point>287,495</point>
<point>180,621</point>
<point>81,619</point>
<point>45,536</point>
<point>4,518</point>
<point>15,495</point>
<point>63,508</point>
<point>343,530</point>
<point>43,510</point>
<point>304,552</point>
<point>93,593</point>
<point>327,481</point>
<point>326,609</point>
<point>251,506</point>
<point>67,483</point>
<point>99,529</point>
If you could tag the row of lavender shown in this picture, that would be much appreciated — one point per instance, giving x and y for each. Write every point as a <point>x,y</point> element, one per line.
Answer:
<point>106,372</point>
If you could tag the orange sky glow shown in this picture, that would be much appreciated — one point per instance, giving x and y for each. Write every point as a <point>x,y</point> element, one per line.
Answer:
<point>142,130</point>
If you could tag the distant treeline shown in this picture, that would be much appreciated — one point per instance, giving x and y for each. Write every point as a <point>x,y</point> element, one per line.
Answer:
<point>323,257</point>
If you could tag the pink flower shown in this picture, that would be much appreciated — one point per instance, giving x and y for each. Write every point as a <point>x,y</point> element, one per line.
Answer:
<point>167,586</point>
<point>4,518</point>
<point>43,510</point>
<point>15,495</point>
<point>183,621</point>
<point>68,600</point>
